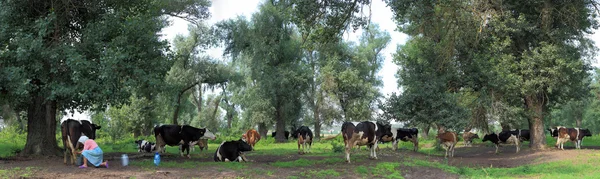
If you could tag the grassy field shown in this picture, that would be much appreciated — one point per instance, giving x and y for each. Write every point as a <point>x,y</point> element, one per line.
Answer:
<point>585,165</point>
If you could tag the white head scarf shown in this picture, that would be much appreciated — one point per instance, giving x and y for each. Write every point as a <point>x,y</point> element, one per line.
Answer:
<point>82,139</point>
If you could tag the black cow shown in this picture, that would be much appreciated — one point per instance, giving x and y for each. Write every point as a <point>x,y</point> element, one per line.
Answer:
<point>145,146</point>
<point>364,133</point>
<point>71,130</point>
<point>405,134</point>
<point>305,137</point>
<point>174,135</point>
<point>231,151</point>
<point>287,134</point>
<point>512,136</point>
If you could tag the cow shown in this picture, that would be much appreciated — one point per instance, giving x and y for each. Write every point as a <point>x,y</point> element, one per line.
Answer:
<point>364,133</point>
<point>574,135</point>
<point>145,146</point>
<point>174,135</point>
<point>468,138</point>
<point>202,144</point>
<point>286,133</point>
<point>305,137</point>
<point>404,134</point>
<point>251,137</point>
<point>507,137</point>
<point>71,130</point>
<point>231,151</point>
<point>448,141</point>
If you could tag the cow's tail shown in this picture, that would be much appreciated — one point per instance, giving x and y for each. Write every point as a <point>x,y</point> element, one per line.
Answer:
<point>332,137</point>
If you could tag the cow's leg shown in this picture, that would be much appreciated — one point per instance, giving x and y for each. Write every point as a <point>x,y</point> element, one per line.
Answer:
<point>517,144</point>
<point>349,146</point>
<point>374,150</point>
<point>446,149</point>
<point>453,147</point>
<point>395,145</point>
<point>496,147</point>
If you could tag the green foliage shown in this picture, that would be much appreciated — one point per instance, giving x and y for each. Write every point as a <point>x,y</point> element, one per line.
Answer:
<point>11,141</point>
<point>337,147</point>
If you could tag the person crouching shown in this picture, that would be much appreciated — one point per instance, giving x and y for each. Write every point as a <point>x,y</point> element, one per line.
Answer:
<point>91,153</point>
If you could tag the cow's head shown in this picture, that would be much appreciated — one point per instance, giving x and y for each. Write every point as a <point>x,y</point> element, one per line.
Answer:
<point>475,136</point>
<point>553,131</point>
<point>490,137</point>
<point>89,129</point>
<point>206,134</point>
<point>384,131</point>
<point>585,132</point>
<point>243,146</point>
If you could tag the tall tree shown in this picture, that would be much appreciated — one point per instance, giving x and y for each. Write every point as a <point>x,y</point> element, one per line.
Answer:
<point>274,60</point>
<point>71,54</point>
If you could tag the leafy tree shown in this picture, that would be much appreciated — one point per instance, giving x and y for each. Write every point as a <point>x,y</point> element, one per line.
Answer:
<point>272,54</point>
<point>536,50</point>
<point>58,55</point>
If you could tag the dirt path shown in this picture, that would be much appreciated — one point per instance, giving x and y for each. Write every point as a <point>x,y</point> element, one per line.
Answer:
<point>262,166</point>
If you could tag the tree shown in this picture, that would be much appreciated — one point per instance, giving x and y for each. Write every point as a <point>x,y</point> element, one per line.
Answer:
<point>271,51</point>
<point>536,48</point>
<point>70,54</point>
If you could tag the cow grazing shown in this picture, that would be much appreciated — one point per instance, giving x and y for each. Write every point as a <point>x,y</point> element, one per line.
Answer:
<point>286,133</point>
<point>364,133</point>
<point>574,135</point>
<point>468,138</point>
<point>251,137</point>
<point>231,151</point>
<point>174,135</point>
<point>448,141</point>
<point>507,137</point>
<point>145,146</point>
<point>305,137</point>
<point>404,134</point>
<point>71,130</point>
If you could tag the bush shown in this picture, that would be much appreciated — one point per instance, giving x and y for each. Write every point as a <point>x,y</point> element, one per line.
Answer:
<point>336,146</point>
<point>11,141</point>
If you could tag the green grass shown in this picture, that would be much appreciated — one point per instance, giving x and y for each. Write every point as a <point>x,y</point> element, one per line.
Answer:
<point>17,172</point>
<point>189,164</point>
<point>329,173</point>
<point>305,162</point>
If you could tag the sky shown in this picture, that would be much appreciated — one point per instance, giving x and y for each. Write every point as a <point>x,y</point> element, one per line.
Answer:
<point>381,15</point>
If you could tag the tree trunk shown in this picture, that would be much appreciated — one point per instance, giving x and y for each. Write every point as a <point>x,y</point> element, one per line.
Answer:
<point>317,118</point>
<point>578,122</point>
<point>178,104</point>
<point>425,132</point>
<point>262,129</point>
<point>535,104</point>
<point>217,103</point>
<point>20,122</point>
<point>280,125</point>
<point>41,128</point>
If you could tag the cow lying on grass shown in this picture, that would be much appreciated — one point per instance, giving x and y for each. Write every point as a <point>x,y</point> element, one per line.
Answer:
<point>232,151</point>
<point>145,146</point>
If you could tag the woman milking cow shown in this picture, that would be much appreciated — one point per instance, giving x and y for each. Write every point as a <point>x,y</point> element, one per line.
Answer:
<point>92,153</point>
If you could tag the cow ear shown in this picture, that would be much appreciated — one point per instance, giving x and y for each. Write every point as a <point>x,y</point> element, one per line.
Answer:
<point>98,127</point>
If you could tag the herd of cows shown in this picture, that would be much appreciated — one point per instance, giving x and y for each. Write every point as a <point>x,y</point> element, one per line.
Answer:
<point>365,133</point>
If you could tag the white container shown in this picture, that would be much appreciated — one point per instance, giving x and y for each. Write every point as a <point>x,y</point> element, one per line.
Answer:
<point>124,160</point>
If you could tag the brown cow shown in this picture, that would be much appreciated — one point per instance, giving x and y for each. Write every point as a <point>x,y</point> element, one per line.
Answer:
<point>251,137</point>
<point>468,138</point>
<point>574,135</point>
<point>448,141</point>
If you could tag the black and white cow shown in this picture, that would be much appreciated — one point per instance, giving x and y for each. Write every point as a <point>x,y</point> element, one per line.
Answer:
<point>174,135</point>
<point>507,137</point>
<point>71,130</point>
<point>232,151</point>
<point>364,133</point>
<point>405,134</point>
<point>305,137</point>
<point>564,134</point>
<point>145,146</point>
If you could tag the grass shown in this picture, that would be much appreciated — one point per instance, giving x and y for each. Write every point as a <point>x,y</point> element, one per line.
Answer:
<point>17,172</point>
<point>583,166</point>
